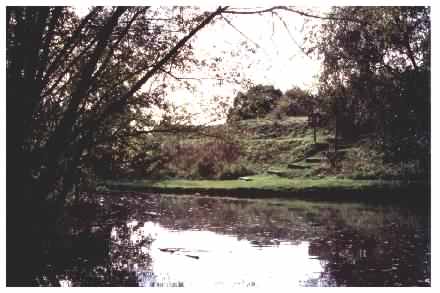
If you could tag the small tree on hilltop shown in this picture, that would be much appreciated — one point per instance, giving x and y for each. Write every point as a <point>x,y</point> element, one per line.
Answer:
<point>256,103</point>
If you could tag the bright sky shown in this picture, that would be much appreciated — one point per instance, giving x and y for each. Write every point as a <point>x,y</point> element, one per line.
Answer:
<point>277,60</point>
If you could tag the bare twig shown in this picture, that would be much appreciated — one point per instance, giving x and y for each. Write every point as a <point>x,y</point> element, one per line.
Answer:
<point>291,36</point>
<point>244,35</point>
<point>94,122</point>
<point>188,78</point>
<point>302,13</point>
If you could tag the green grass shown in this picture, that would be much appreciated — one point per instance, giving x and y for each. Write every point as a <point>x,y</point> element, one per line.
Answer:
<point>263,182</point>
<point>271,145</point>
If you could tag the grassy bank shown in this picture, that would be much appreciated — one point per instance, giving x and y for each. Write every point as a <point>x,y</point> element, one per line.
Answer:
<point>328,188</point>
<point>265,182</point>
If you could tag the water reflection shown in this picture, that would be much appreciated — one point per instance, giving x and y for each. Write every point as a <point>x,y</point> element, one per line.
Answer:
<point>192,258</point>
<point>199,241</point>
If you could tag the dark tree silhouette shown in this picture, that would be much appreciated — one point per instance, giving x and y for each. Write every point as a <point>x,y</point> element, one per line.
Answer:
<point>73,82</point>
<point>377,72</point>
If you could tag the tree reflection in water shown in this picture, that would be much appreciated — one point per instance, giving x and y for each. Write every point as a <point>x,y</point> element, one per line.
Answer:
<point>141,240</point>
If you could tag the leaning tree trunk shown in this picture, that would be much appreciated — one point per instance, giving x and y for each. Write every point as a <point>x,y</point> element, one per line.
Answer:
<point>34,171</point>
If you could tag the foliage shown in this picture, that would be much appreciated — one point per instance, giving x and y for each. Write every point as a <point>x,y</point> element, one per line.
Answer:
<point>234,171</point>
<point>295,102</point>
<point>367,162</point>
<point>257,102</point>
<point>200,158</point>
<point>376,72</point>
<point>259,146</point>
<point>261,101</point>
<point>73,85</point>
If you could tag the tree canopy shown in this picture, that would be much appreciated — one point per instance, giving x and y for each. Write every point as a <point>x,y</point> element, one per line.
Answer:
<point>376,66</point>
<point>257,102</point>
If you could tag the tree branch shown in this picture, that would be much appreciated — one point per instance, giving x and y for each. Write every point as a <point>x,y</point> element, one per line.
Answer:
<point>241,33</point>
<point>290,35</point>
<point>115,44</point>
<point>64,128</point>
<point>188,78</point>
<point>56,13</point>
<point>406,42</point>
<point>290,9</point>
<point>95,121</point>
<point>67,48</point>
<point>171,54</point>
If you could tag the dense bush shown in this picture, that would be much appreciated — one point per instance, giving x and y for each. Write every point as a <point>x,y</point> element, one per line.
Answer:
<point>295,102</point>
<point>262,101</point>
<point>201,159</point>
<point>234,171</point>
<point>372,88</point>
<point>256,103</point>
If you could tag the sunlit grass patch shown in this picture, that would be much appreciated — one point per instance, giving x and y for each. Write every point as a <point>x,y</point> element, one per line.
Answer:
<point>263,182</point>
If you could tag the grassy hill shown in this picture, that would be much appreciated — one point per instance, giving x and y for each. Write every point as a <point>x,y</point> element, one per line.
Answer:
<point>282,147</point>
<point>271,146</point>
<point>273,157</point>
<point>286,148</point>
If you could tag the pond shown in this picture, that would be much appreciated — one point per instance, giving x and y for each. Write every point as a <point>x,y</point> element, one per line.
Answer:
<point>155,240</point>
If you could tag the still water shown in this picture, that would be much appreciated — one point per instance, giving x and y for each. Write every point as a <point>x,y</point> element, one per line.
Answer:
<point>205,258</point>
<point>185,241</point>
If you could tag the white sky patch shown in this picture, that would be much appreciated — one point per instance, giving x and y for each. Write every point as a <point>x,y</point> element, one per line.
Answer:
<point>81,9</point>
<point>277,60</point>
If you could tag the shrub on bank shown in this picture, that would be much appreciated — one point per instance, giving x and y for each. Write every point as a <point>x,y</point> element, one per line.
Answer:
<point>234,171</point>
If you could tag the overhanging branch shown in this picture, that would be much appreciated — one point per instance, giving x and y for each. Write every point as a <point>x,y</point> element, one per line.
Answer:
<point>244,35</point>
<point>291,36</point>
<point>179,78</point>
<point>290,9</point>
<point>94,122</point>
